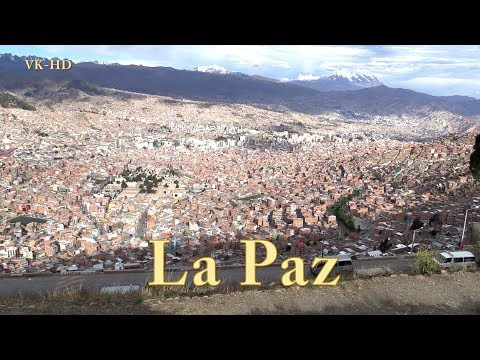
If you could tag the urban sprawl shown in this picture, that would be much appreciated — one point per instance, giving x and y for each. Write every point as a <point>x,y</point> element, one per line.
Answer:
<point>85,188</point>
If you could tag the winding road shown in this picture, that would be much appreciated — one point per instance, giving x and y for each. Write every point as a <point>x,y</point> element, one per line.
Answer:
<point>228,277</point>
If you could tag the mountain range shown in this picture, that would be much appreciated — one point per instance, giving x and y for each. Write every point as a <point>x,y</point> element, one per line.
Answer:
<point>353,96</point>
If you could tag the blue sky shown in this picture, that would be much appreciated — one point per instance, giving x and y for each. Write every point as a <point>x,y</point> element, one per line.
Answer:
<point>436,70</point>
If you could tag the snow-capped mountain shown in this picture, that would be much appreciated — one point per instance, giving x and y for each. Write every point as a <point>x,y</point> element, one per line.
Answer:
<point>213,69</point>
<point>10,58</point>
<point>103,62</point>
<point>339,81</point>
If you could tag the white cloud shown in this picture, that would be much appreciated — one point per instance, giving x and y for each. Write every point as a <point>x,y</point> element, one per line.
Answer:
<point>440,81</point>
<point>304,77</point>
<point>442,86</point>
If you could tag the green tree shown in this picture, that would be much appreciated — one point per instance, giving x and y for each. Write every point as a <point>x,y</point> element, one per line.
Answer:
<point>155,143</point>
<point>149,188</point>
<point>475,159</point>
<point>435,219</point>
<point>417,224</point>
<point>384,245</point>
<point>338,209</point>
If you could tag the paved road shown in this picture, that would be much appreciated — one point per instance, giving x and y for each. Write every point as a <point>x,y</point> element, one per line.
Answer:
<point>230,277</point>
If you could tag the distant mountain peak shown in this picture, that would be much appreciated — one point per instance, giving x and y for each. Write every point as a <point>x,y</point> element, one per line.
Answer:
<point>356,77</point>
<point>19,61</point>
<point>8,56</point>
<point>344,73</point>
<point>212,69</point>
<point>340,80</point>
<point>104,63</point>
<point>15,58</point>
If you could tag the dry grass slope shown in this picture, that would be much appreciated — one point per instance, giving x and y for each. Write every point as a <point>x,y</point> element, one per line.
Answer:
<point>447,293</point>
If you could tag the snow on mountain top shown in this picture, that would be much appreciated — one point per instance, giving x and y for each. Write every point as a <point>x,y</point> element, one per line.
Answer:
<point>351,76</point>
<point>338,81</point>
<point>215,69</point>
<point>341,73</point>
<point>103,63</point>
<point>345,73</point>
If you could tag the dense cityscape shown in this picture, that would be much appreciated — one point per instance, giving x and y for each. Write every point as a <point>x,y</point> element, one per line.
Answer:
<point>85,186</point>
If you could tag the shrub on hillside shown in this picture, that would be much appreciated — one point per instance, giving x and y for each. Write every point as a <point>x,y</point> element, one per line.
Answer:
<point>475,250</point>
<point>425,263</point>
